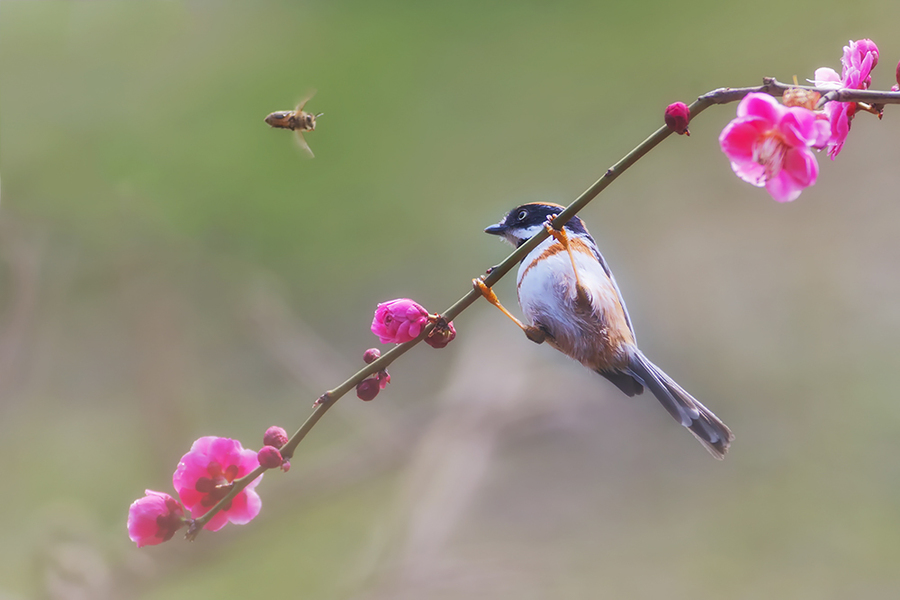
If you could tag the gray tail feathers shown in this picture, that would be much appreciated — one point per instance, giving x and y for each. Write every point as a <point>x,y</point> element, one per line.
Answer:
<point>706,427</point>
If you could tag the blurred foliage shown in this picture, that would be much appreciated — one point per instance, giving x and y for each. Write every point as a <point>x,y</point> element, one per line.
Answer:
<point>146,208</point>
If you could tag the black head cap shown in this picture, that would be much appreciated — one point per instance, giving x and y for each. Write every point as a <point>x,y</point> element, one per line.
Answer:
<point>523,222</point>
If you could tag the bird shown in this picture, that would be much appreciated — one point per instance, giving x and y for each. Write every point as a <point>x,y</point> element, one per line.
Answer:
<point>570,296</point>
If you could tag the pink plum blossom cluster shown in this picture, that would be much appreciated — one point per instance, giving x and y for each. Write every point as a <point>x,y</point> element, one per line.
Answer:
<point>772,145</point>
<point>859,59</point>
<point>215,467</point>
<point>204,476</point>
<point>397,322</point>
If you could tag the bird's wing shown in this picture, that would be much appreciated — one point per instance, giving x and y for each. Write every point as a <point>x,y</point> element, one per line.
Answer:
<point>612,279</point>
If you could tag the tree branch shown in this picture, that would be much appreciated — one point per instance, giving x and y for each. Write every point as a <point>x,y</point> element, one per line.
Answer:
<point>719,96</point>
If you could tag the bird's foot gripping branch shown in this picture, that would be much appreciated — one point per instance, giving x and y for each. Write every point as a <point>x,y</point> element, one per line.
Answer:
<point>769,144</point>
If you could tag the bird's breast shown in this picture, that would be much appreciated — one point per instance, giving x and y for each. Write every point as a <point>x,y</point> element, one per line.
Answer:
<point>593,331</point>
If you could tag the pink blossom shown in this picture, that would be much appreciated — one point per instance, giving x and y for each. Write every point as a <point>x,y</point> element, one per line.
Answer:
<point>154,519</point>
<point>399,321</point>
<point>859,59</point>
<point>771,145</point>
<point>204,477</point>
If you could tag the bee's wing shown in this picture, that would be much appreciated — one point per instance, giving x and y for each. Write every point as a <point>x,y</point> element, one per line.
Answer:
<point>301,142</point>
<point>306,98</point>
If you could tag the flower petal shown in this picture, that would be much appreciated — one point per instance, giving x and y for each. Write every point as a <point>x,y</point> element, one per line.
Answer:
<point>760,105</point>
<point>741,135</point>
<point>800,171</point>
<point>750,171</point>
<point>827,78</point>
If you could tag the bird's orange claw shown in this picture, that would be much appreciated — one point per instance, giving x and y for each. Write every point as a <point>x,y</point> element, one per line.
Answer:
<point>487,292</point>
<point>562,237</point>
<point>558,234</point>
<point>535,334</point>
<point>491,297</point>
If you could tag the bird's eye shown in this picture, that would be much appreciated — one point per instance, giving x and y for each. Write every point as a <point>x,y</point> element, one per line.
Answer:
<point>522,214</point>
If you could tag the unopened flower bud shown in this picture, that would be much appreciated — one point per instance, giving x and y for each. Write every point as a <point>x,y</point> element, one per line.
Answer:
<point>383,378</point>
<point>269,457</point>
<point>399,321</point>
<point>441,336</point>
<point>367,389</point>
<point>864,47</point>
<point>275,436</point>
<point>897,75</point>
<point>154,519</point>
<point>286,466</point>
<point>371,355</point>
<point>677,117</point>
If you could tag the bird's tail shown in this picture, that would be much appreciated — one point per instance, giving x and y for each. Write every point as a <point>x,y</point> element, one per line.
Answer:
<point>706,427</point>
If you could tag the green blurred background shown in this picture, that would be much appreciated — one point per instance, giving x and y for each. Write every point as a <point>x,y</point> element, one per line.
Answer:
<point>171,267</point>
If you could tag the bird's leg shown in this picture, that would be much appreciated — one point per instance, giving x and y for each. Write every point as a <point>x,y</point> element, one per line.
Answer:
<point>535,334</point>
<point>562,237</point>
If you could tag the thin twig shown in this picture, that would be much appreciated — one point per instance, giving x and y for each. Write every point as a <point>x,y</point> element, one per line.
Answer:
<point>719,96</point>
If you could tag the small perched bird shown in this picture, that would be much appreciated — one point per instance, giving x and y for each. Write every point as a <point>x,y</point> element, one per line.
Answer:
<point>568,293</point>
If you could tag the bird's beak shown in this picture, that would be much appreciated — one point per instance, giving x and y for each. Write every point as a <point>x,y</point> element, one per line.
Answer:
<point>498,229</point>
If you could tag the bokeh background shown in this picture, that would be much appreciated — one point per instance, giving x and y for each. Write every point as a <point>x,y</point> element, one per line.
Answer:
<point>170,267</point>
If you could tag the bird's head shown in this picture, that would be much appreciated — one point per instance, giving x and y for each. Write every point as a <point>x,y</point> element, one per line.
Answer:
<point>523,222</point>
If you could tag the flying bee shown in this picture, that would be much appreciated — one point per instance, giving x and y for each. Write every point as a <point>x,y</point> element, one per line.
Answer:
<point>296,120</point>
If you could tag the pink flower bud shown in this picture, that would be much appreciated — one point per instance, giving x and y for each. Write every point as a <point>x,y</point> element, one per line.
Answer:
<point>367,389</point>
<point>864,48</point>
<point>154,519</point>
<point>897,75</point>
<point>275,436</point>
<point>269,457</point>
<point>383,378</point>
<point>441,336</point>
<point>860,57</point>
<point>399,321</point>
<point>678,115</point>
<point>371,355</point>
